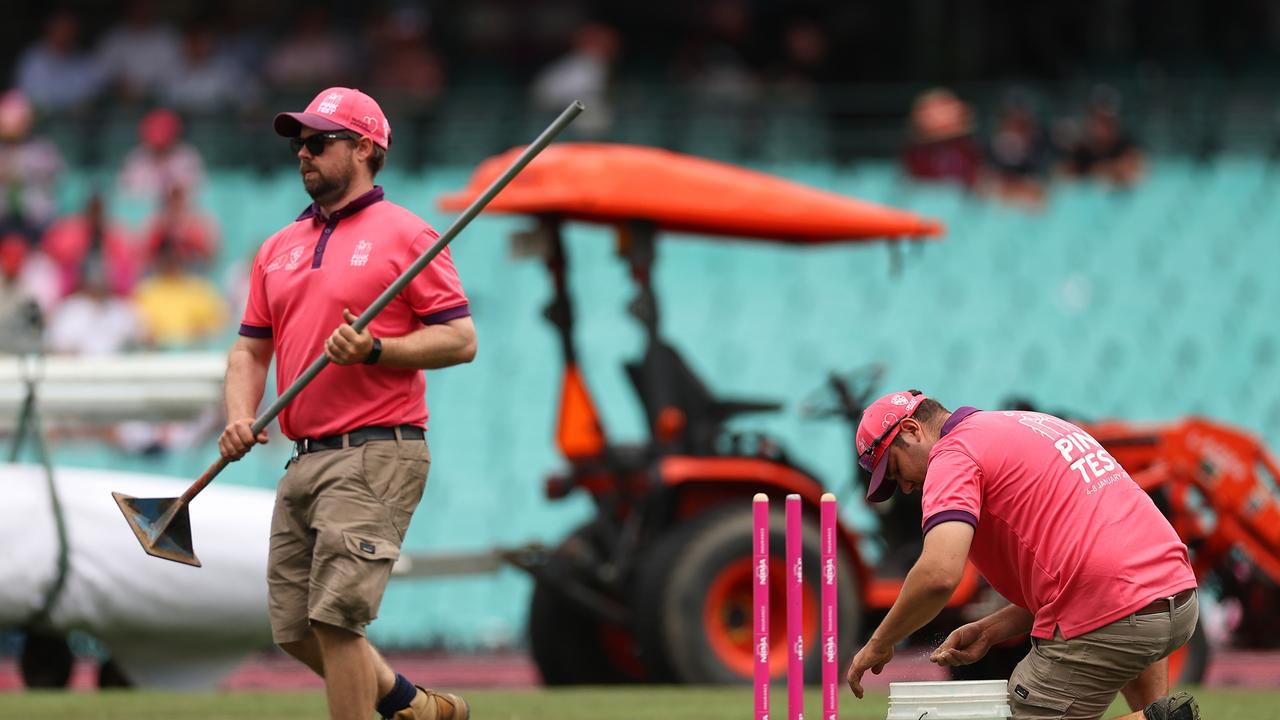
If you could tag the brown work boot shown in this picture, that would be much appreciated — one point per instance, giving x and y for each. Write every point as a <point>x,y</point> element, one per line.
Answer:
<point>1178,706</point>
<point>432,705</point>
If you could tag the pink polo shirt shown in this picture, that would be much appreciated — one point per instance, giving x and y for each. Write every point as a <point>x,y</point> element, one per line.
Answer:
<point>302,278</point>
<point>1060,528</point>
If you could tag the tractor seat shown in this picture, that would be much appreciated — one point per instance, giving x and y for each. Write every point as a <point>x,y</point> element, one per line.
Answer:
<point>665,383</point>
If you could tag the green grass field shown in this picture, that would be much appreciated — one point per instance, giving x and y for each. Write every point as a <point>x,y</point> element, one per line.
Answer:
<point>665,703</point>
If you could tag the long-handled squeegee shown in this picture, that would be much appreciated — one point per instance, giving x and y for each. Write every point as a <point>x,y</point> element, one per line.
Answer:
<point>163,525</point>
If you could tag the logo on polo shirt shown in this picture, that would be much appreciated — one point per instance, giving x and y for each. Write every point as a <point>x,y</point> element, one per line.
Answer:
<point>288,261</point>
<point>295,255</point>
<point>360,256</point>
<point>329,104</point>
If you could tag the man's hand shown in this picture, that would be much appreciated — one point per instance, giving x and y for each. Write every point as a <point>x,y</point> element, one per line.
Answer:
<point>237,438</point>
<point>873,656</point>
<point>966,645</point>
<point>346,346</point>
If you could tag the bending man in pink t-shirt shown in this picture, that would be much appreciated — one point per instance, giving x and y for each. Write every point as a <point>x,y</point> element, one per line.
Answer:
<point>1091,568</point>
<point>359,428</point>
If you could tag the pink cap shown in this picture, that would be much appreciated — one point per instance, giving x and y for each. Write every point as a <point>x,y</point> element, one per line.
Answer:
<point>160,128</point>
<point>876,432</point>
<point>339,108</point>
<point>15,114</point>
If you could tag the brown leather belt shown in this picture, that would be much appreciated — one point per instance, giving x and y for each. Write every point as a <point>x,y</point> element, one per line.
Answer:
<point>1162,605</point>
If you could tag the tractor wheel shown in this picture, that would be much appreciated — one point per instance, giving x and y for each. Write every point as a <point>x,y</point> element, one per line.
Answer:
<point>46,660</point>
<point>1189,663</point>
<point>694,601</point>
<point>568,645</point>
<point>111,676</point>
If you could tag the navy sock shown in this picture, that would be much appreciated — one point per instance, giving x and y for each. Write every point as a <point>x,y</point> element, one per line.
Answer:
<point>402,693</point>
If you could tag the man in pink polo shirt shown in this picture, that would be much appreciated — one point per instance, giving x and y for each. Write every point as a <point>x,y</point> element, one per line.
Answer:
<point>1091,568</point>
<point>361,457</point>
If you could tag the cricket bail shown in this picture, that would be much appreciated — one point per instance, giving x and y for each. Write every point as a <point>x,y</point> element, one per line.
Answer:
<point>162,526</point>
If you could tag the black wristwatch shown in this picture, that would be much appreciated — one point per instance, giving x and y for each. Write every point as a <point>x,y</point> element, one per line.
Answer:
<point>374,353</point>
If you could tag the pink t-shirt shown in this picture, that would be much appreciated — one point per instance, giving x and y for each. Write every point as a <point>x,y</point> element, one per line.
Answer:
<point>1060,528</point>
<point>302,278</point>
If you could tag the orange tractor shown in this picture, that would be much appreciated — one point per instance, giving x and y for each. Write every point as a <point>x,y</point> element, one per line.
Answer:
<point>656,586</point>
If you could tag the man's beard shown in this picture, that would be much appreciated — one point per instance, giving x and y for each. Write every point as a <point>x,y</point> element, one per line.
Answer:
<point>324,189</point>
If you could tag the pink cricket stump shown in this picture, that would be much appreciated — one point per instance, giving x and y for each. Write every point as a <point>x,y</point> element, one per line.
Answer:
<point>830,614</point>
<point>760,601</point>
<point>795,608</point>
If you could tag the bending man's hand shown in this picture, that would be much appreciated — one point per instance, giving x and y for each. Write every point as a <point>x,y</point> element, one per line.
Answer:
<point>873,656</point>
<point>346,346</point>
<point>966,645</point>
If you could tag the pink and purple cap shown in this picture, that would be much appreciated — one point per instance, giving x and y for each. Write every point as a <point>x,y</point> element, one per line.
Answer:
<point>335,109</point>
<point>879,427</point>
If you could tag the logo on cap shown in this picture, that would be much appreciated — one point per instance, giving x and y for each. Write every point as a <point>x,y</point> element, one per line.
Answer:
<point>329,104</point>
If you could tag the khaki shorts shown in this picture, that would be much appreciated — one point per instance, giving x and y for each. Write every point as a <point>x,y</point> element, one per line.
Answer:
<point>340,516</point>
<point>1078,679</point>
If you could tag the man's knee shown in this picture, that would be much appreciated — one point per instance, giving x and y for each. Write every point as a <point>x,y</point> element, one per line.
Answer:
<point>297,648</point>
<point>327,634</point>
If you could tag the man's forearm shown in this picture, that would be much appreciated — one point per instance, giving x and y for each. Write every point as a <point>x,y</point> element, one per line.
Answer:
<point>246,380</point>
<point>1007,622</point>
<point>429,348</point>
<point>923,596</point>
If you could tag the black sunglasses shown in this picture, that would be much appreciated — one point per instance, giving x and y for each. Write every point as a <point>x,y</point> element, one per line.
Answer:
<point>315,144</point>
<point>864,457</point>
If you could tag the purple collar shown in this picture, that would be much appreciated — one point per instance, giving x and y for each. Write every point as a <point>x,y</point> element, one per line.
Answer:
<point>956,418</point>
<point>351,208</point>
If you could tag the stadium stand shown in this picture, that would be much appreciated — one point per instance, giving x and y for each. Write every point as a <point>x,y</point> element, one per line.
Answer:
<point>1151,303</point>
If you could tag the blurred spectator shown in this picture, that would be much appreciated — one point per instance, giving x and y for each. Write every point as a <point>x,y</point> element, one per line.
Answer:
<point>1019,153</point>
<point>717,65</point>
<point>583,74</point>
<point>178,308</point>
<point>29,168</point>
<point>141,54</point>
<point>93,320</point>
<point>804,60</point>
<point>161,161</point>
<point>312,56</point>
<point>403,64</point>
<point>25,274</point>
<point>192,235</point>
<point>242,34</point>
<point>53,72</point>
<point>1102,149</point>
<point>92,239</point>
<point>206,80</point>
<point>941,146</point>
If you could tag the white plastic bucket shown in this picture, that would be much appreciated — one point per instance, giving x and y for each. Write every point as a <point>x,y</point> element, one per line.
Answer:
<point>949,700</point>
